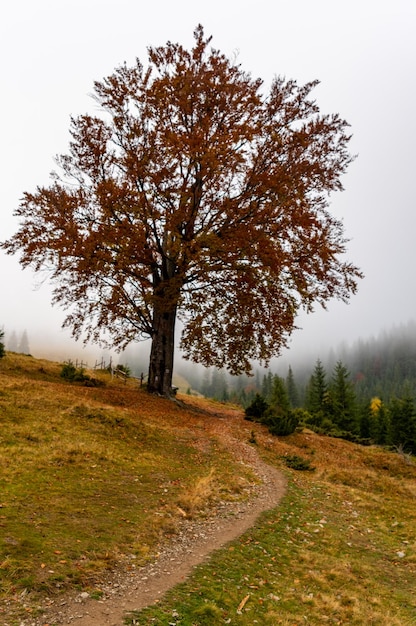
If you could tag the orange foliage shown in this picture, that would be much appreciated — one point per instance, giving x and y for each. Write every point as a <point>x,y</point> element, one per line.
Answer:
<point>193,194</point>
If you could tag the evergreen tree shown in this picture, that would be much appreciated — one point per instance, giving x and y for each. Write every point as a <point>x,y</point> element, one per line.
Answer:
<point>12,343</point>
<point>383,426</point>
<point>218,387</point>
<point>317,392</point>
<point>256,410</point>
<point>403,423</point>
<point>292,390</point>
<point>343,401</point>
<point>266,386</point>
<point>279,417</point>
<point>279,399</point>
<point>378,420</point>
<point>2,350</point>
<point>24,344</point>
<point>365,420</point>
<point>206,383</point>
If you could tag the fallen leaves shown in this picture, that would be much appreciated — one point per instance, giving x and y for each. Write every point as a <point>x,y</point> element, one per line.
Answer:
<point>242,604</point>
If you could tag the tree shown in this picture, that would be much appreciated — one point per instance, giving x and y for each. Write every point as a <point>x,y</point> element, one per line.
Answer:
<point>256,410</point>
<point>218,387</point>
<point>266,386</point>
<point>192,194</point>
<point>403,423</point>
<point>24,344</point>
<point>317,391</point>
<point>2,350</point>
<point>343,399</point>
<point>279,399</point>
<point>292,390</point>
<point>279,417</point>
<point>12,343</point>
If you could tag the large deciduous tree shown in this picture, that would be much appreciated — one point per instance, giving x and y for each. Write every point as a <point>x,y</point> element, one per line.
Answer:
<point>192,193</point>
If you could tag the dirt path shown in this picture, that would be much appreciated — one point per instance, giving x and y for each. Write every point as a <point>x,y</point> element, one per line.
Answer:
<point>135,588</point>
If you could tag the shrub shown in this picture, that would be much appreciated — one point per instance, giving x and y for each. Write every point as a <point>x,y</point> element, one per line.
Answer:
<point>256,410</point>
<point>124,369</point>
<point>74,375</point>
<point>298,463</point>
<point>68,371</point>
<point>303,416</point>
<point>283,425</point>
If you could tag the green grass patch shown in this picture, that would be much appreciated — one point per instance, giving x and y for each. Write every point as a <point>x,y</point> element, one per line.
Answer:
<point>331,553</point>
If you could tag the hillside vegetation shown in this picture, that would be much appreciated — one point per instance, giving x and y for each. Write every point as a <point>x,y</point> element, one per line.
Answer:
<point>95,477</point>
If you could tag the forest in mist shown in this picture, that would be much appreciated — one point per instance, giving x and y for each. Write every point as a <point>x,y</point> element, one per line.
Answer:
<point>365,393</point>
<point>382,366</point>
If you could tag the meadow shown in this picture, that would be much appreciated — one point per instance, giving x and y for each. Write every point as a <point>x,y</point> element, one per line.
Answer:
<point>91,476</point>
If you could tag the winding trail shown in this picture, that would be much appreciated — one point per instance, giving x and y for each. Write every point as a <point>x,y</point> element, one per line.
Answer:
<point>196,540</point>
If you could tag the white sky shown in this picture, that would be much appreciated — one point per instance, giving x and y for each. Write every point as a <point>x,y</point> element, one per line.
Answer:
<point>362,51</point>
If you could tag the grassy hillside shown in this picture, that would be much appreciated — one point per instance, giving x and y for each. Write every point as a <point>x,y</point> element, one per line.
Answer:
<point>90,476</point>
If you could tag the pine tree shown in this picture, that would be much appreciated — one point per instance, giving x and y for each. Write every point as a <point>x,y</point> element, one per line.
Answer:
<point>218,388</point>
<point>403,423</point>
<point>12,343</point>
<point>383,430</point>
<point>343,401</point>
<point>266,386</point>
<point>317,392</point>
<point>365,420</point>
<point>206,382</point>
<point>279,399</point>
<point>256,409</point>
<point>2,350</point>
<point>24,344</point>
<point>292,390</point>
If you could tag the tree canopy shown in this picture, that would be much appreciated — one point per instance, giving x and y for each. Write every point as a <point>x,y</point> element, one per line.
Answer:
<point>193,193</point>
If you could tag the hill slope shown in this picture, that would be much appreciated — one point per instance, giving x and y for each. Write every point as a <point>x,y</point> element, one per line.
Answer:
<point>95,480</point>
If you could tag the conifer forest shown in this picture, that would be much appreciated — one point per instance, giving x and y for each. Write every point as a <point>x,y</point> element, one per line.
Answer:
<point>365,393</point>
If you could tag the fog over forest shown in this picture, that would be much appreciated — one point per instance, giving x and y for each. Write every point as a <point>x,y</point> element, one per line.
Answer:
<point>388,355</point>
<point>61,347</point>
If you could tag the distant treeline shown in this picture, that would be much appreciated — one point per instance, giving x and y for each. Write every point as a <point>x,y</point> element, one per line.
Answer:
<point>17,343</point>
<point>383,367</point>
<point>366,393</point>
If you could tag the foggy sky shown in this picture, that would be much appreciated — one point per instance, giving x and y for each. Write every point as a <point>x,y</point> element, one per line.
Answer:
<point>363,52</point>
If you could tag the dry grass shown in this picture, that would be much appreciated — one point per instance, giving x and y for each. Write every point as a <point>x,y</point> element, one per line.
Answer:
<point>198,495</point>
<point>92,476</point>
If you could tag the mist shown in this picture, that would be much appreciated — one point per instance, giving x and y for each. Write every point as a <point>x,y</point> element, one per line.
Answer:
<point>363,54</point>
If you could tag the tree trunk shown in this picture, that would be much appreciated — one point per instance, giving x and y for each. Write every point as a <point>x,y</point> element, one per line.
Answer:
<point>162,352</point>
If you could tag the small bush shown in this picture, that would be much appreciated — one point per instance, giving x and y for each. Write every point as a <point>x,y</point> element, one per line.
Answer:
<point>68,371</point>
<point>303,415</point>
<point>283,425</point>
<point>124,369</point>
<point>298,463</point>
<point>74,375</point>
<point>256,410</point>
<point>252,438</point>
